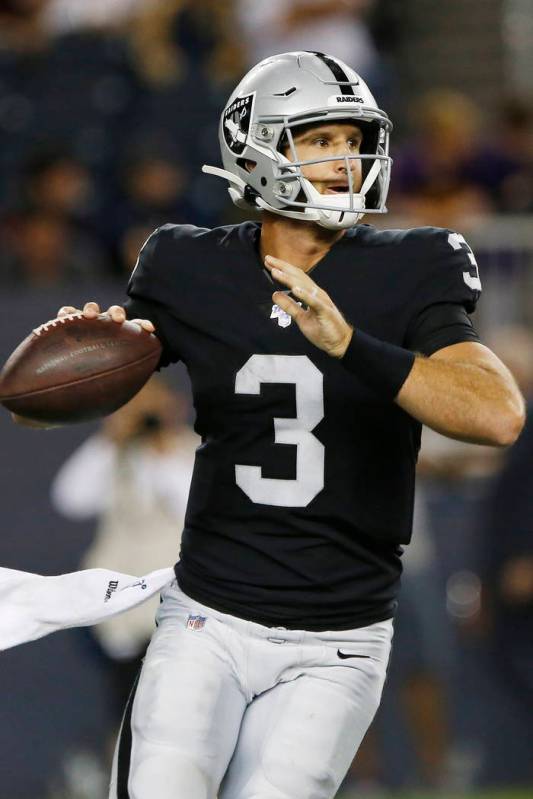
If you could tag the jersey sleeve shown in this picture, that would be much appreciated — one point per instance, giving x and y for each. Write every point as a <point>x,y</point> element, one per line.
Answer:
<point>438,326</point>
<point>150,286</point>
<point>446,291</point>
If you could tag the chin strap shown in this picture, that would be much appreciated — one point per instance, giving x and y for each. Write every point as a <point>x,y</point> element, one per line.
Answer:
<point>309,214</point>
<point>373,172</point>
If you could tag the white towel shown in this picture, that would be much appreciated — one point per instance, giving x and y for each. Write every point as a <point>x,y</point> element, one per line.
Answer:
<point>32,606</point>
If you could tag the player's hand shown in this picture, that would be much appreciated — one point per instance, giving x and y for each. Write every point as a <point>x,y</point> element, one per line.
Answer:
<point>91,310</point>
<point>322,322</point>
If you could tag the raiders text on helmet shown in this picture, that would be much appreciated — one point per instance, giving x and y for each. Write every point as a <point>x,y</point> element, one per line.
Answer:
<point>279,95</point>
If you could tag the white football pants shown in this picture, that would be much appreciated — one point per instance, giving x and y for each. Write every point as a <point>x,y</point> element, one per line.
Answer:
<point>229,708</point>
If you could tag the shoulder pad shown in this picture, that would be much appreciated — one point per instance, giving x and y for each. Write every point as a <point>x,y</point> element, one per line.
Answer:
<point>155,273</point>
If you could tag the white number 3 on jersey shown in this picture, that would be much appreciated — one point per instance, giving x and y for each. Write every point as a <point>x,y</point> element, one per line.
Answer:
<point>308,383</point>
<point>471,277</point>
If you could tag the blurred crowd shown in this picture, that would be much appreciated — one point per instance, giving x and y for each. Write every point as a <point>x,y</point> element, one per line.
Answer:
<point>108,111</point>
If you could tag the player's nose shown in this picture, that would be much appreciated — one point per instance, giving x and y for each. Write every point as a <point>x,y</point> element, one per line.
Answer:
<point>343,164</point>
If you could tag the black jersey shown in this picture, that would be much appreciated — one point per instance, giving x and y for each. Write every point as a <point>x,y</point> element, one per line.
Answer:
<point>302,491</point>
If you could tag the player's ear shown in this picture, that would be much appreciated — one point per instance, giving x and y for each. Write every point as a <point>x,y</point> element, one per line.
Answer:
<point>250,165</point>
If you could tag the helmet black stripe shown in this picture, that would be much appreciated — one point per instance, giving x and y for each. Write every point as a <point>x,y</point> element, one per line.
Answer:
<point>338,73</point>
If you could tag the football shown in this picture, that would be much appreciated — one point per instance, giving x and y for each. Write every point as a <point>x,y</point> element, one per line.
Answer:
<point>73,369</point>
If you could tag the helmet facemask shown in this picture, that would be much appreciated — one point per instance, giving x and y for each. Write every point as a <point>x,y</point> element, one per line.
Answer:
<point>302,200</point>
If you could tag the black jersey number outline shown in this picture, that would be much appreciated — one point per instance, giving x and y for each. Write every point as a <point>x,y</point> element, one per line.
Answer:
<point>308,381</point>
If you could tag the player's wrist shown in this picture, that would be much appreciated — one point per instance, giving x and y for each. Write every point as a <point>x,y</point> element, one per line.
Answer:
<point>382,366</point>
<point>340,350</point>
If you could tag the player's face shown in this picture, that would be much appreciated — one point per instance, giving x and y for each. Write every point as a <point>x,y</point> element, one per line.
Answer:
<point>322,141</point>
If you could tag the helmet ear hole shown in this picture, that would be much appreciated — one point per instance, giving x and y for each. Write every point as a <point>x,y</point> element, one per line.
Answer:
<point>373,194</point>
<point>247,164</point>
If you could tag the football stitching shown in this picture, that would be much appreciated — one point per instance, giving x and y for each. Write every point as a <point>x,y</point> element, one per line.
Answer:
<point>53,322</point>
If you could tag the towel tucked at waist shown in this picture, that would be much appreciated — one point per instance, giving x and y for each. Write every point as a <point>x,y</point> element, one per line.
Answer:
<point>32,606</point>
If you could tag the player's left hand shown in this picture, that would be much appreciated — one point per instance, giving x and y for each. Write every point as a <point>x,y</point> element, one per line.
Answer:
<point>322,322</point>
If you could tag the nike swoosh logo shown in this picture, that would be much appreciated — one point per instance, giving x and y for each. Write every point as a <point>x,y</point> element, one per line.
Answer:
<point>344,655</point>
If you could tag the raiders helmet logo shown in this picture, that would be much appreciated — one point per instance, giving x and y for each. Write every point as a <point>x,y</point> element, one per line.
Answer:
<point>236,123</point>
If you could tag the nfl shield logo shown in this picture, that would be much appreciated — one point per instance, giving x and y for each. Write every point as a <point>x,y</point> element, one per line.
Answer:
<point>284,319</point>
<point>196,622</point>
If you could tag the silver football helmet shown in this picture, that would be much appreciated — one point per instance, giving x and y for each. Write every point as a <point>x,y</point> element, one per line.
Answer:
<point>285,92</point>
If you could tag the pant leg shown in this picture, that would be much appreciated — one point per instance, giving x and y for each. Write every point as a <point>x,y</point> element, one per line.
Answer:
<point>298,739</point>
<point>180,729</point>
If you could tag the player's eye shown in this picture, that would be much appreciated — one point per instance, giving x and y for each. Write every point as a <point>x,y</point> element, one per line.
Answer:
<point>321,141</point>
<point>354,144</point>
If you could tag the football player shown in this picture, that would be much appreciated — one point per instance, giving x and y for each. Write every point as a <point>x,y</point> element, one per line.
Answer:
<point>317,346</point>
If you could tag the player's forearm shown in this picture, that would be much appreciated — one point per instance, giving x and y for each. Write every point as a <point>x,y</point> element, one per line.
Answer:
<point>466,401</point>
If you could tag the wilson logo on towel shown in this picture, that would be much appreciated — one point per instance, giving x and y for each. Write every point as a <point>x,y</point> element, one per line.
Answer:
<point>112,586</point>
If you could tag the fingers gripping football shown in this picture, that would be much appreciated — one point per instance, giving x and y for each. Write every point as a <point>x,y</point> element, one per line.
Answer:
<point>91,310</point>
<point>321,321</point>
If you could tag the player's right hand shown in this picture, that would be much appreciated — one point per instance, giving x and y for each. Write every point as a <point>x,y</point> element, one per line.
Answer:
<point>91,310</point>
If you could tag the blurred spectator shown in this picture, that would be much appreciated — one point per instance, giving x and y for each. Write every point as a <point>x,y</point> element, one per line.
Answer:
<point>151,35</point>
<point>57,17</point>
<point>417,698</point>
<point>516,139</point>
<point>227,62</point>
<point>428,173</point>
<point>77,91</point>
<point>53,181</point>
<point>153,192</point>
<point>424,654</point>
<point>21,25</point>
<point>133,476</point>
<point>415,735</point>
<point>508,544</point>
<point>41,249</point>
<point>186,54</point>
<point>57,183</point>
<point>154,189</point>
<point>65,16</point>
<point>176,39</point>
<point>454,168</point>
<point>330,26</point>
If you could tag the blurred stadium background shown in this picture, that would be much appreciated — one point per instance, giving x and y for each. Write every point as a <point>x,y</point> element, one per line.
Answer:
<point>108,109</point>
